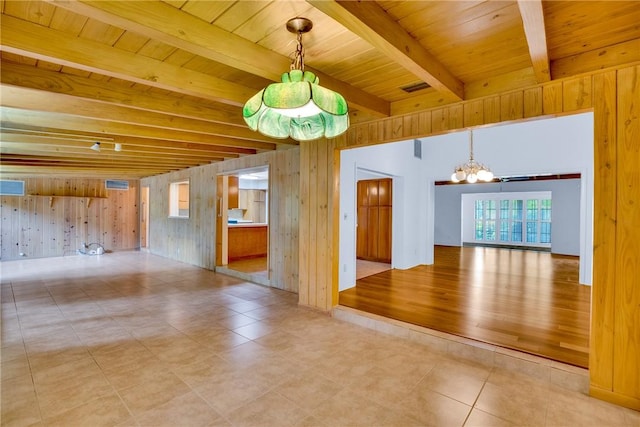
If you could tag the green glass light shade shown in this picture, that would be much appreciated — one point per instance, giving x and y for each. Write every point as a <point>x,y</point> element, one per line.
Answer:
<point>298,108</point>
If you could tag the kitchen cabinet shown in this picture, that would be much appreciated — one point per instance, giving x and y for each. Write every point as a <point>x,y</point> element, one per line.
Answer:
<point>233,192</point>
<point>373,237</point>
<point>254,204</point>
<point>247,241</point>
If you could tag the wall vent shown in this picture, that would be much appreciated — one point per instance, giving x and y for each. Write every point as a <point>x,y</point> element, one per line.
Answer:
<point>417,149</point>
<point>11,188</point>
<point>112,184</point>
<point>415,87</point>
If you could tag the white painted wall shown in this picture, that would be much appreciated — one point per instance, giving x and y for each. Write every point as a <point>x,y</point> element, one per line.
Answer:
<point>565,212</point>
<point>549,146</point>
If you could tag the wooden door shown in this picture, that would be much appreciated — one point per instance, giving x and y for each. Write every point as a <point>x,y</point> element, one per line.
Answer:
<point>373,237</point>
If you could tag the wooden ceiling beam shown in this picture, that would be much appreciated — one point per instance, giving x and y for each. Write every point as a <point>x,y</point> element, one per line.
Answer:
<point>10,157</point>
<point>45,137</point>
<point>77,150</point>
<point>26,38</point>
<point>163,22</point>
<point>40,100</point>
<point>369,21</point>
<point>16,118</point>
<point>105,164</point>
<point>102,91</point>
<point>534,30</point>
<point>18,171</point>
<point>38,142</point>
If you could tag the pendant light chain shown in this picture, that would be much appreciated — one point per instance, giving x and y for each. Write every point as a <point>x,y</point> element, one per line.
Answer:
<point>297,62</point>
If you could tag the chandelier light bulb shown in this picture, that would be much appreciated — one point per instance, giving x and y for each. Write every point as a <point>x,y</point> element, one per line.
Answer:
<point>454,177</point>
<point>472,178</point>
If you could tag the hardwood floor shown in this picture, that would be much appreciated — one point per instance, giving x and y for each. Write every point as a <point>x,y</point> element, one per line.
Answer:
<point>524,300</point>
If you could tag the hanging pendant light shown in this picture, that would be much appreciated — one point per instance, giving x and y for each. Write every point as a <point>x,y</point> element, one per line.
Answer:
<point>472,171</point>
<point>298,107</point>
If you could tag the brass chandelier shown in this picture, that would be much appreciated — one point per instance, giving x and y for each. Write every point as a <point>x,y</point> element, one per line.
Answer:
<point>471,171</point>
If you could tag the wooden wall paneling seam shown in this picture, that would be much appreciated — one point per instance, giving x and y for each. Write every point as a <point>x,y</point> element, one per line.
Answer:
<point>626,348</point>
<point>552,101</point>
<point>492,110</point>
<point>577,93</point>
<point>313,224</point>
<point>473,113</point>
<point>278,219</point>
<point>511,106</point>
<point>323,265</point>
<point>533,102</point>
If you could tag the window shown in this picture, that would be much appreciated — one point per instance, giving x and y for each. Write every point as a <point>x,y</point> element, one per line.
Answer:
<point>179,199</point>
<point>510,218</point>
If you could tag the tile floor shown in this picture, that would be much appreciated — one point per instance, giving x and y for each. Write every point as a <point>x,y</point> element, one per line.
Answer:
<point>131,339</point>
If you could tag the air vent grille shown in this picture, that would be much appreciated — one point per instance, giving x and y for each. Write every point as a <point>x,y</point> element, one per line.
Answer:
<point>11,188</point>
<point>111,184</point>
<point>415,87</point>
<point>417,149</point>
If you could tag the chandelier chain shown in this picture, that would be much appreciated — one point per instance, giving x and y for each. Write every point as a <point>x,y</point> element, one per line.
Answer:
<point>297,62</point>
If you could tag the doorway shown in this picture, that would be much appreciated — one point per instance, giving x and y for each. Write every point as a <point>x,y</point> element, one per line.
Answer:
<point>242,224</point>
<point>374,226</point>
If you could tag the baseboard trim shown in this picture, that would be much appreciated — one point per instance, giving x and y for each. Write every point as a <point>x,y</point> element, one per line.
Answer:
<point>615,398</point>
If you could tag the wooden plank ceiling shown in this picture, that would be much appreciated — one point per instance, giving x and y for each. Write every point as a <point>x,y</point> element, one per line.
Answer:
<point>167,80</point>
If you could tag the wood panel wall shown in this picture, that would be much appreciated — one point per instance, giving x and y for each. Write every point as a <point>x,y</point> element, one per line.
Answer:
<point>192,240</point>
<point>57,215</point>
<point>613,97</point>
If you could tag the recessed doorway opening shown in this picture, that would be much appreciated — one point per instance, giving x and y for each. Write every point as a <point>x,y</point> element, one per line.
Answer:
<point>242,224</point>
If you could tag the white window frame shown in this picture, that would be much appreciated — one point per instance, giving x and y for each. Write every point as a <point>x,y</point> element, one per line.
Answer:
<point>469,221</point>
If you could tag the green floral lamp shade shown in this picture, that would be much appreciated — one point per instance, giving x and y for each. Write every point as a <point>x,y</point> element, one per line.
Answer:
<point>298,108</point>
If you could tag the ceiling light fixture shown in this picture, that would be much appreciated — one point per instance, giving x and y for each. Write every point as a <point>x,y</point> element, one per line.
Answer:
<point>96,147</point>
<point>298,107</point>
<point>472,171</point>
<point>118,147</point>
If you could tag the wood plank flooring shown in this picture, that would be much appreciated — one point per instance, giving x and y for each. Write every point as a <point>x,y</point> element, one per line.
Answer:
<point>524,300</point>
